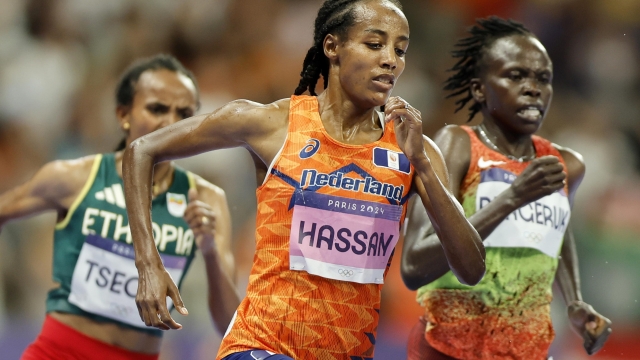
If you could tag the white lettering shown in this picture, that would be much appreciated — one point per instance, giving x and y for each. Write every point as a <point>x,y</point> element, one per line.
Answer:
<point>107,216</point>
<point>89,220</point>
<point>169,234</point>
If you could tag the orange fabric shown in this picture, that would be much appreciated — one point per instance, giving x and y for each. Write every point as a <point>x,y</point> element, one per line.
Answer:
<point>292,312</point>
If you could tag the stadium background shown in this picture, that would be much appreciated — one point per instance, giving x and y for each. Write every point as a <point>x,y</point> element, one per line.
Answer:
<point>60,60</point>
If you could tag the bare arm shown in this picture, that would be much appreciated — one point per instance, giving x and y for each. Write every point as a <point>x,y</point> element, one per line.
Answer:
<point>424,259</point>
<point>585,321</point>
<point>208,215</point>
<point>259,128</point>
<point>461,243</point>
<point>54,187</point>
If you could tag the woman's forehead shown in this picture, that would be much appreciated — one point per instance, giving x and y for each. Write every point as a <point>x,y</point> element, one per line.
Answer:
<point>380,14</point>
<point>518,48</point>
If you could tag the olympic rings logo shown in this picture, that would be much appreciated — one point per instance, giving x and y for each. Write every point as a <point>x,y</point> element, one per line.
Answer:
<point>532,237</point>
<point>345,272</point>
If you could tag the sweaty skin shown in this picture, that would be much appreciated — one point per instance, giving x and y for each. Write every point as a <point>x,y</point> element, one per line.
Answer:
<point>517,73</point>
<point>162,97</point>
<point>372,50</point>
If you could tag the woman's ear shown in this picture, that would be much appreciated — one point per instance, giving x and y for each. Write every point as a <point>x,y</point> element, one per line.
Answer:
<point>123,113</point>
<point>477,90</point>
<point>330,46</point>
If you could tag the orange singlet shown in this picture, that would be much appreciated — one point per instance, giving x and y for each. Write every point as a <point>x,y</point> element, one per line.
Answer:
<point>328,219</point>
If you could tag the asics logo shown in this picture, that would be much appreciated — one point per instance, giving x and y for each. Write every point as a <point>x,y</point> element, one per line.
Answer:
<point>345,272</point>
<point>485,164</point>
<point>310,149</point>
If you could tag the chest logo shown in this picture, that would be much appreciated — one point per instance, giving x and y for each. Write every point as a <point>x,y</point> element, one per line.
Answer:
<point>485,164</point>
<point>391,160</point>
<point>112,194</point>
<point>312,147</point>
<point>176,204</point>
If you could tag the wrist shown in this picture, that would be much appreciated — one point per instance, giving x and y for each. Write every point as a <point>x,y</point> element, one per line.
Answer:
<point>421,163</point>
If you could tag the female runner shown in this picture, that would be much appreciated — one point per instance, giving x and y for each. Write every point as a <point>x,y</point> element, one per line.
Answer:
<point>92,313</point>
<point>334,180</point>
<point>517,190</point>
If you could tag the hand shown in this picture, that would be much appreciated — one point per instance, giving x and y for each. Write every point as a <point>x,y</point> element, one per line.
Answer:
<point>202,220</point>
<point>544,176</point>
<point>408,126</point>
<point>154,285</point>
<point>591,326</point>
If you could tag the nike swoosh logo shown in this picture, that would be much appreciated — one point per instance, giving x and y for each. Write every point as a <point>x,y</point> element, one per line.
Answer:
<point>485,164</point>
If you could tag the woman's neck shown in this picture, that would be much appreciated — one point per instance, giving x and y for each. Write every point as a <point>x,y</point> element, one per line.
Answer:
<point>505,141</point>
<point>346,122</point>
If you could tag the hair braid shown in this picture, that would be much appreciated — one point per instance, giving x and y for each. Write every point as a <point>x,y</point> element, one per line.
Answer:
<point>334,16</point>
<point>470,51</point>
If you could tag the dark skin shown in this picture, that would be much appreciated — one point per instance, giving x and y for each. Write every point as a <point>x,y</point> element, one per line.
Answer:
<point>363,69</point>
<point>162,97</point>
<point>516,75</point>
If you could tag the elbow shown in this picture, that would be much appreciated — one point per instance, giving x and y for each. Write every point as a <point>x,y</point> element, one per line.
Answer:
<point>411,279</point>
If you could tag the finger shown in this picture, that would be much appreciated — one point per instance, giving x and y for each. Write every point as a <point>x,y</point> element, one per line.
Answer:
<point>174,293</point>
<point>166,318</point>
<point>547,159</point>
<point>593,345</point>
<point>553,168</point>
<point>555,178</point>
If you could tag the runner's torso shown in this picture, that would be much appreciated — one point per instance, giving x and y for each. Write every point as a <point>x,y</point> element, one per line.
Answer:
<point>328,219</point>
<point>93,255</point>
<point>507,313</point>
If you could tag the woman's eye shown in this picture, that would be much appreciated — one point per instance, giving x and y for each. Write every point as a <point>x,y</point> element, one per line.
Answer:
<point>374,46</point>
<point>186,114</point>
<point>515,76</point>
<point>158,109</point>
<point>401,52</point>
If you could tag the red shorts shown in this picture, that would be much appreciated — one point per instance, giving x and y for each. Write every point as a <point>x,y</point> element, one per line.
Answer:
<point>58,341</point>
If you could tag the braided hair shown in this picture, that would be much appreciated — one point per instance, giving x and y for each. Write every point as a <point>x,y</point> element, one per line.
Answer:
<point>470,50</point>
<point>334,17</point>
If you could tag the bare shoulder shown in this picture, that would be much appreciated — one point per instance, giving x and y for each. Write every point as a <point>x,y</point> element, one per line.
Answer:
<point>62,180</point>
<point>453,138</point>
<point>575,166</point>
<point>573,159</point>
<point>259,117</point>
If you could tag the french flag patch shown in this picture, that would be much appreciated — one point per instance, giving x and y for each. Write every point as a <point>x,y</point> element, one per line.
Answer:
<point>392,160</point>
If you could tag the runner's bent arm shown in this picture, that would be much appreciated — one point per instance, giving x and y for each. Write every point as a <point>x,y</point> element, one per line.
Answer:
<point>461,243</point>
<point>592,326</point>
<point>54,187</point>
<point>423,258</point>
<point>257,127</point>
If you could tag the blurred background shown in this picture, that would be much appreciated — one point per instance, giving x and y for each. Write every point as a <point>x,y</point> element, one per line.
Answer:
<point>60,61</point>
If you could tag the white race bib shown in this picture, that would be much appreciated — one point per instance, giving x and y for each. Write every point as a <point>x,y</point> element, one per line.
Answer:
<point>341,238</point>
<point>539,225</point>
<point>105,279</point>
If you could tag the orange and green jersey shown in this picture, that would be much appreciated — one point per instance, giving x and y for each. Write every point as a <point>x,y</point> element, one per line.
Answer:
<point>328,219</point>
<point>507,315</point>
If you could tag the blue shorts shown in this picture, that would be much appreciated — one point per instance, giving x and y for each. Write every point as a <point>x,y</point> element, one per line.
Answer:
<point>256,355</point>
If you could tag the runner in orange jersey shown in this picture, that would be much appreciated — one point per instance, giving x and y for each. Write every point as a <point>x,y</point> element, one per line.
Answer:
<point>517,189</point>
<point>334,176</point>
